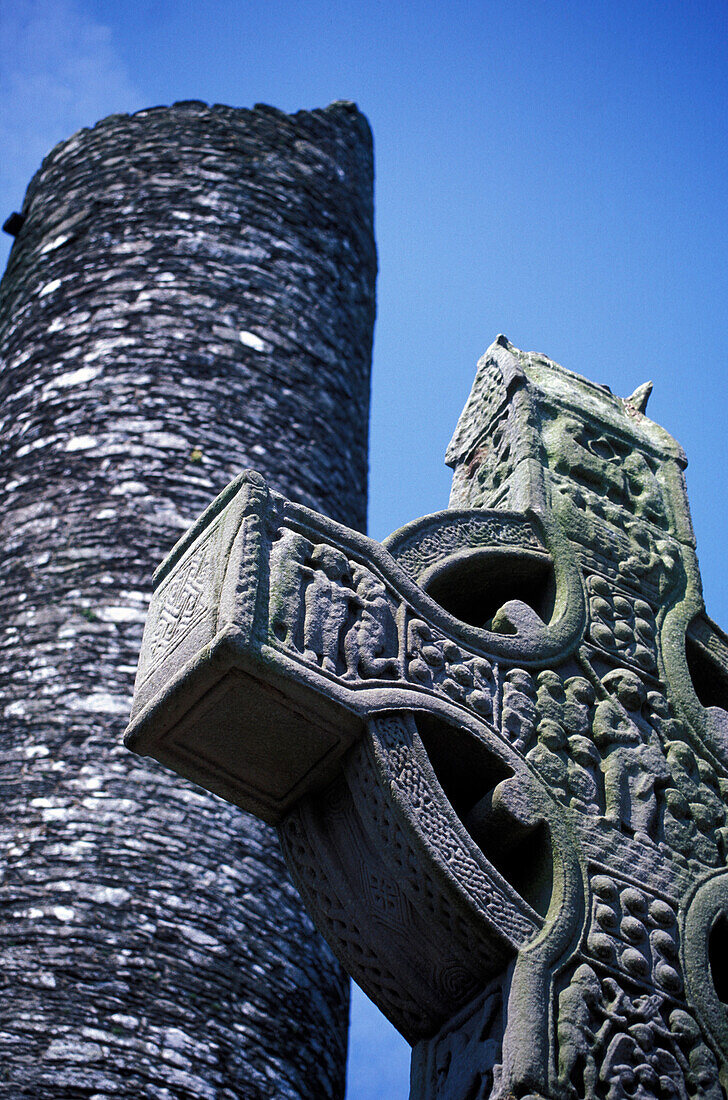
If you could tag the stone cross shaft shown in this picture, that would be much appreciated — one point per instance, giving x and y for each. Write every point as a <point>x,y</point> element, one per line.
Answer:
<point>495,746</point>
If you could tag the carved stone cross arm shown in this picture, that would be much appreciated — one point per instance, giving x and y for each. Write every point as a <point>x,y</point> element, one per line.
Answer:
<point>274,638</point>
<point>494,746</point>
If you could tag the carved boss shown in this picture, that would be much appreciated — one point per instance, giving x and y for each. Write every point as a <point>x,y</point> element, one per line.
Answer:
<point>495,747</point>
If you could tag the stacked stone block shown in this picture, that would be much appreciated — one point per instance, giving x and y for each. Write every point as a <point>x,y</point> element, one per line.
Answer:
<point>191,293</point>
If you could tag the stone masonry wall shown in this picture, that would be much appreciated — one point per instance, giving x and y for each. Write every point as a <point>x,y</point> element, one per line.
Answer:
<point>192,293</point>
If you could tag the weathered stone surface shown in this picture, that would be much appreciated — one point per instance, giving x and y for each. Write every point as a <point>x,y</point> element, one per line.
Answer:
<point>503,756</point>
<point>191,293</point>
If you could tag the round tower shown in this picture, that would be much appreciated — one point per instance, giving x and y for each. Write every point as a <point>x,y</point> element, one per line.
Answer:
<point>191,292</point>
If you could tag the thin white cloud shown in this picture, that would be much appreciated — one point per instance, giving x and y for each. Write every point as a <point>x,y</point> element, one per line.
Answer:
<point>59,71</point>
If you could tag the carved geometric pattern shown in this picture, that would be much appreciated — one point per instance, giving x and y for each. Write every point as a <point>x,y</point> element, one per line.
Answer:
<point>183,600</point>
<point>621,624</point>
<point>417,553</point>
<point>440,829</point>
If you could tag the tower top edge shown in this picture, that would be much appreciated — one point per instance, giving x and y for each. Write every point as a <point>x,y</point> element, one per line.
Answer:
<point>341,117</point>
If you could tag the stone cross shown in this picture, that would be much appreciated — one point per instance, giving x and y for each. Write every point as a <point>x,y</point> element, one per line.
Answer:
<point>495,746</point>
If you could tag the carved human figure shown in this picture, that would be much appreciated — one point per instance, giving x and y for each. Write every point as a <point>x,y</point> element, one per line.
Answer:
<point>625,1072</point>
<point>669,563</point>
<point>657,1071</point>
<point>589,460</point>
<point>679,829</point>
<point>668,727</point>
<point>519,708</point>
<point>694,813</point>
<point>327,604</point>
<point>655,774</point>
<point>644,489</point>
<point>548,756</point>
<point>289,555</point>
<point>616,736</point>
<point>550,695</point>
<point>684,769</point>
<point>588,1011</point>
<point>710,812</point>
<point>371,644</point>
<point>656,558</point>
<point>702,1069</point>
<point>712,802</point>
<point>582,772</point>
<point>584,779</point>
<point>576,1031</point>
<point>643,558</point>
<point>633,763</point>
<point>579,703</point>
<point>643,1059</point>
<point>662,1063</point>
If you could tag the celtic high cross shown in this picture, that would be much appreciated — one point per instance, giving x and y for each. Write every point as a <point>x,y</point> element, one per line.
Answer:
<point>495,746</point>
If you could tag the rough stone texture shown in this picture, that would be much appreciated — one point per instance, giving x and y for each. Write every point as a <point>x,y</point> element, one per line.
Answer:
<point>506,807</point>
<point>192,292</point>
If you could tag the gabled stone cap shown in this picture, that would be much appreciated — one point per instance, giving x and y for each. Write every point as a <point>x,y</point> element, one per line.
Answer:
<point>554,384</point>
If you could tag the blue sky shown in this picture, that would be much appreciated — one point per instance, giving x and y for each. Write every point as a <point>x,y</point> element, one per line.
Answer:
<point>552,170</point>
